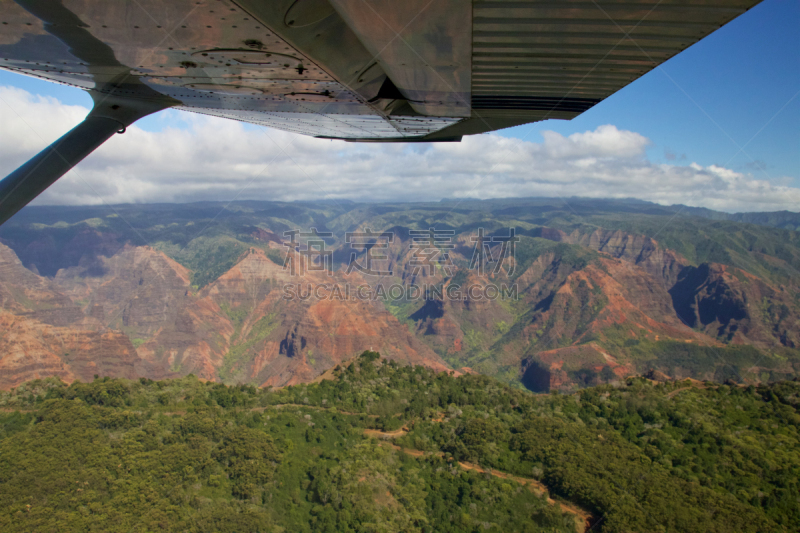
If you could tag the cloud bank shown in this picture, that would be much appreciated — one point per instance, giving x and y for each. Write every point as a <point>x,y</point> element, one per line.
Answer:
<point>217,159</point>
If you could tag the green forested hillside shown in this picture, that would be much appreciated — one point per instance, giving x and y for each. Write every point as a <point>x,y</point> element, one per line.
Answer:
<point>184,455</point>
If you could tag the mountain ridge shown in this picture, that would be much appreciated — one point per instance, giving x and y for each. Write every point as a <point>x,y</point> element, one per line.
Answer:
<point>598,295</point>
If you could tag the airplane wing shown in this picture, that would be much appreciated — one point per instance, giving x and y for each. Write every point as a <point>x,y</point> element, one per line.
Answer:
<point>359,70</point>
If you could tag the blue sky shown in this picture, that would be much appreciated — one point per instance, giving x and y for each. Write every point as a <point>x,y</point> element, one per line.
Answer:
<point>716,126</point>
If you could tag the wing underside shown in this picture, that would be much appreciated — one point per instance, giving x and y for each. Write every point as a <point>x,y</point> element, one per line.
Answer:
<point>373,70</point>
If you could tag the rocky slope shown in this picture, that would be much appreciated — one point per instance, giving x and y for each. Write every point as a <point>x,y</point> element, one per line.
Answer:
<point>32,350</point>
<point>664,265</point>
<point>723,301</point>
<point>138,289</point>
<point>731,304</point>
<point>595,295</point>
<point>24,293</point>
<point>586,318</point>
<point>241,328</point>
<point>43,333</point>
<point>246,327</point>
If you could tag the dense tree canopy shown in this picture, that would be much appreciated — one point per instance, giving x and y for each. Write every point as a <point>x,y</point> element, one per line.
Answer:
<point>184,455</point>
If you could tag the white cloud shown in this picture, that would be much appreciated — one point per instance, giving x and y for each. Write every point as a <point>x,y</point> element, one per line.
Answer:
<point>605,141</point>
<point>217,159</point>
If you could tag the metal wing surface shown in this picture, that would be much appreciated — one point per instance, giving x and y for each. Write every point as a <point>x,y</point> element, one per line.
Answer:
<point>369,70</point>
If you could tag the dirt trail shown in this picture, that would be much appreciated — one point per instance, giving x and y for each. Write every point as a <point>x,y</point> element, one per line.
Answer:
<point>313,407</point>
<point>583,518</point>
<point>537,488</point>
<point>385,434</point>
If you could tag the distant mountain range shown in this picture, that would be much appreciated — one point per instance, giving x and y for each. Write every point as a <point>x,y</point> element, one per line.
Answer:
<point>540,293</point>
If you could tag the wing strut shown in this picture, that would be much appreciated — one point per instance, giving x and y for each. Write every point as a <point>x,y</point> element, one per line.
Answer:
<point>110,115</point>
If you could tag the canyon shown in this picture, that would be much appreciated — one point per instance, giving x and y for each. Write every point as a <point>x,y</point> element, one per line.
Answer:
<point>585,304</point>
